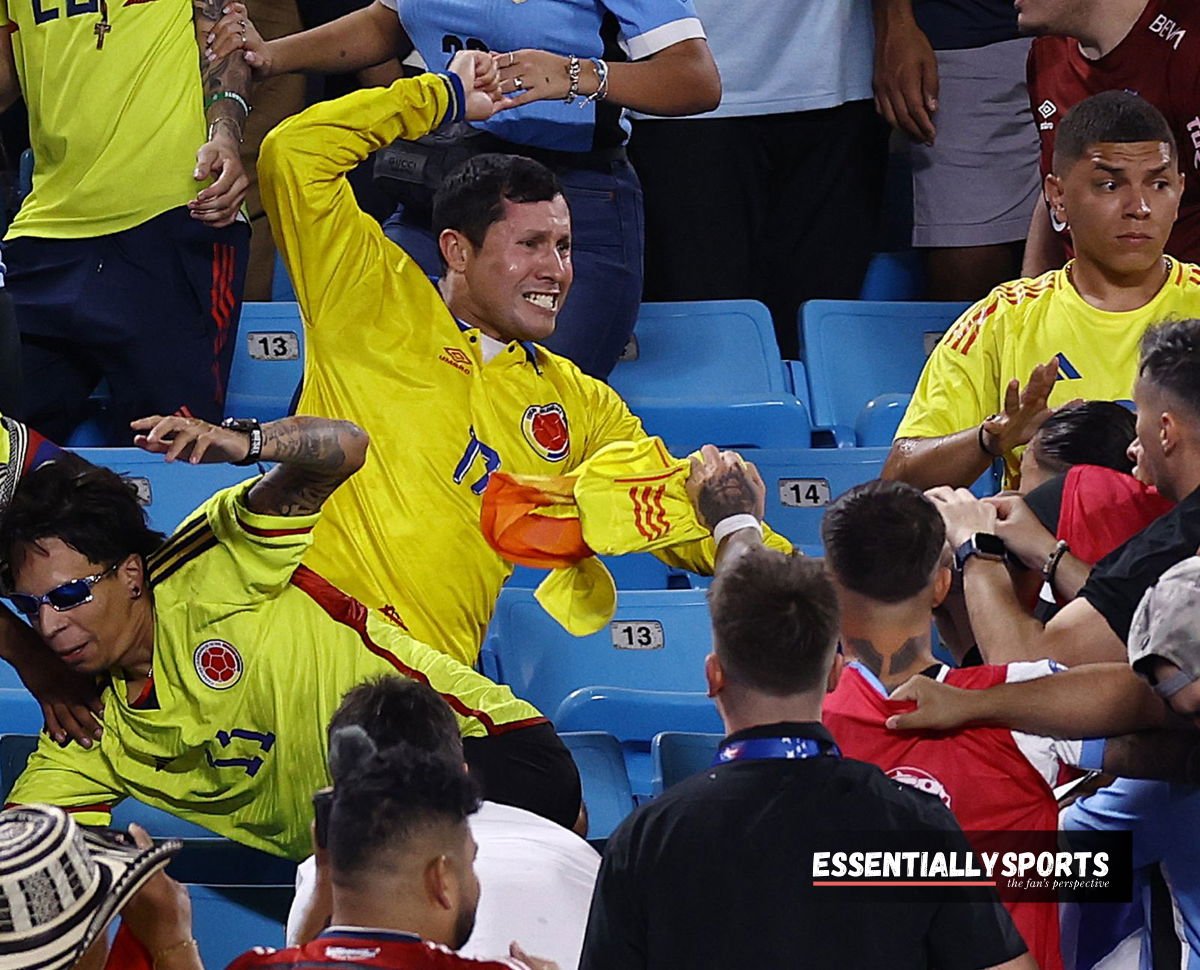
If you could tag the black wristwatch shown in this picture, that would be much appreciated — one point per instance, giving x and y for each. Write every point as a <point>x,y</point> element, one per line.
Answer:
<point>985,545</point>
<point>251,427</point>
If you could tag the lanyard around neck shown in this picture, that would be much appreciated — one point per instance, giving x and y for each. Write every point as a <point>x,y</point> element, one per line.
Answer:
<point>788,749</point>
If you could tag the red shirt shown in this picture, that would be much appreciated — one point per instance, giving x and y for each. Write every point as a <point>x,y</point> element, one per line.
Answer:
<point>991,778</point>
<point>359,949</point>
<point>1159,60</point>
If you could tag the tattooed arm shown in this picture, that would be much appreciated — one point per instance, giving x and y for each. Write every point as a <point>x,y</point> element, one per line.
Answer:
<point>722,485</point>
<point>314,456</point>
<point>226,83</point>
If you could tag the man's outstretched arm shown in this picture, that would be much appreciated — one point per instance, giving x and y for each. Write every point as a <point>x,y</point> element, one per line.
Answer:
<point>1094,701</point>
<point>313,455</point>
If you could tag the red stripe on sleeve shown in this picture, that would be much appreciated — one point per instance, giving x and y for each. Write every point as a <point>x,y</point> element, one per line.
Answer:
<point>348,611</point>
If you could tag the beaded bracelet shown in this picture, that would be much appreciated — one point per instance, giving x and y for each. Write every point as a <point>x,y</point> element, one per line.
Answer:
<point>227,95</point>
<point>573,75</point>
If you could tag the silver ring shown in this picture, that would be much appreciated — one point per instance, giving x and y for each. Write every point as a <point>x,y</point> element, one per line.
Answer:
<point>512,57</point>
<point>518,84</point>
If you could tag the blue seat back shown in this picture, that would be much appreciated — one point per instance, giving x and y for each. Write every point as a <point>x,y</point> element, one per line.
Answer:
<point>894,276</point>
<point>658,640</point>
<point>268,361</point>
<point>169,491</point>
<point>15,749</point>
<point>634,717</point>
<point>801,482</point>
<point>227,922</point>
<point>857,350</point>
<point>20,712</point>
<point>606,791</point>
<point>710,351</point>
<point>638,570</point>
<point>677,755</point>
<point>780,422</point>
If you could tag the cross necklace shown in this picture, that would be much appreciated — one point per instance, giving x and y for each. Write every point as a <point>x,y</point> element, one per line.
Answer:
<point>103,27</point>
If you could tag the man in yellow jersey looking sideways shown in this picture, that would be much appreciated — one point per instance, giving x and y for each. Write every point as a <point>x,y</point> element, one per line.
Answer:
<point>449,380</point>
<point>224,656</point>
<point>1072,333</point>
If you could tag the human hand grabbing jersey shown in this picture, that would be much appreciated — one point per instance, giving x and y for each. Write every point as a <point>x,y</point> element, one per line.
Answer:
<point>940,707</point>
<point>722,485</point>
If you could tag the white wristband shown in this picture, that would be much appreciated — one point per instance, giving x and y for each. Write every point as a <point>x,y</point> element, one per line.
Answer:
<point>735,523</point>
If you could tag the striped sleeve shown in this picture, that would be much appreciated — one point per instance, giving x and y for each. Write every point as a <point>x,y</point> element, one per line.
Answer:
<point>77,779</point>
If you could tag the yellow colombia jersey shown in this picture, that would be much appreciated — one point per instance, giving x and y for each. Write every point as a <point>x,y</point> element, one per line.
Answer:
<point>252,654</point>
<point>383,351</point>
<point>115,117</point>
<point>1022,324</point>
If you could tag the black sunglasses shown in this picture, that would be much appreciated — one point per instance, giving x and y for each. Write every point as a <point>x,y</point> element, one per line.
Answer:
<point>62,598</point>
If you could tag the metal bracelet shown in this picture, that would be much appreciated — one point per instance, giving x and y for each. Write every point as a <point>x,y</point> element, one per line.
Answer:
<point>573,76</point>
<point>601,91</point>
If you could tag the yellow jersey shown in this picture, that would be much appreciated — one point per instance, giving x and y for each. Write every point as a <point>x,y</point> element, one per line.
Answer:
<point>383,350</point>
<point>252,654</point>
<point>1024,323</point>
<point>116,112</point>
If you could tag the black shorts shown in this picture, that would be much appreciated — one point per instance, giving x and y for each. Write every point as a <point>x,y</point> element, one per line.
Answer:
<point>528,768</point>
<point>152,309</point>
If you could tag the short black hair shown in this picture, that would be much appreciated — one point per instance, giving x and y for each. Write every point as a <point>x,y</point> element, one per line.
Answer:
<point>1111,116</point>
<point>775,621</point>
<point>92,509</point>
<point>883,540</point>
<point>384,797</point>
<point>396,710</point>
<point>1087,433</point>
<point>1170,360</point>
<point>472,197</point>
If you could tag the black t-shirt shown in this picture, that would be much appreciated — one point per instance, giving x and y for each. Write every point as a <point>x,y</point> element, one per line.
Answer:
<point>958,24</point>
<point>1120,580</point>
<point>717,873</point>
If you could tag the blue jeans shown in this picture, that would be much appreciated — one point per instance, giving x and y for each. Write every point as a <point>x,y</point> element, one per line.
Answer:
<point>607,239</point>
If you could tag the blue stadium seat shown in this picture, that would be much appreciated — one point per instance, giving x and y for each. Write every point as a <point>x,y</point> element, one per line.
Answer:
<point>710,371</point>
<point>20,712</point>
<point>281,283</point>
<point>606,791</point>
<point>15,749</point>
<point>802,481</point>
<point>779,423</point>
<point>169,491</point>
<point>855,351</point>
<point>634,717</point>
<point>894,276</point>
<point>657,640</point>
<point>268,361</point>
<point>227,922</point>
<point>638,570</point>
<point>879,418</point>
<point>707,350</point>
<point>677,755</point>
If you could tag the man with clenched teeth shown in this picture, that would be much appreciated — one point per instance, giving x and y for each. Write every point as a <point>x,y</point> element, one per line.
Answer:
<point>449,380</point>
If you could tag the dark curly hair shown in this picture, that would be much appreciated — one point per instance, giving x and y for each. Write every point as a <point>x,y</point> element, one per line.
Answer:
<point>92,509</point>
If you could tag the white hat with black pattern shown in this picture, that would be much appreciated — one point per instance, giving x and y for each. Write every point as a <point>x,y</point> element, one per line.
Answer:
<point>61,884</point>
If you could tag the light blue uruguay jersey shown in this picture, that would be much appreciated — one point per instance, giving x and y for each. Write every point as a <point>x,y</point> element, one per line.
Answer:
<point>616,30</point>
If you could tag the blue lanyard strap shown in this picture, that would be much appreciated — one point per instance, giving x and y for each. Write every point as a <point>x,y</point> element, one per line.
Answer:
<point>790,749</point>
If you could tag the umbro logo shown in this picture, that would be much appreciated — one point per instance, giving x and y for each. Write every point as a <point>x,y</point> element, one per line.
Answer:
<point>1047,108</point>
<point>456,358</point>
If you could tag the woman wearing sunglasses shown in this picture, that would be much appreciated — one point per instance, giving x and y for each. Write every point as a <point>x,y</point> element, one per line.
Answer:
<point>224,656</point>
